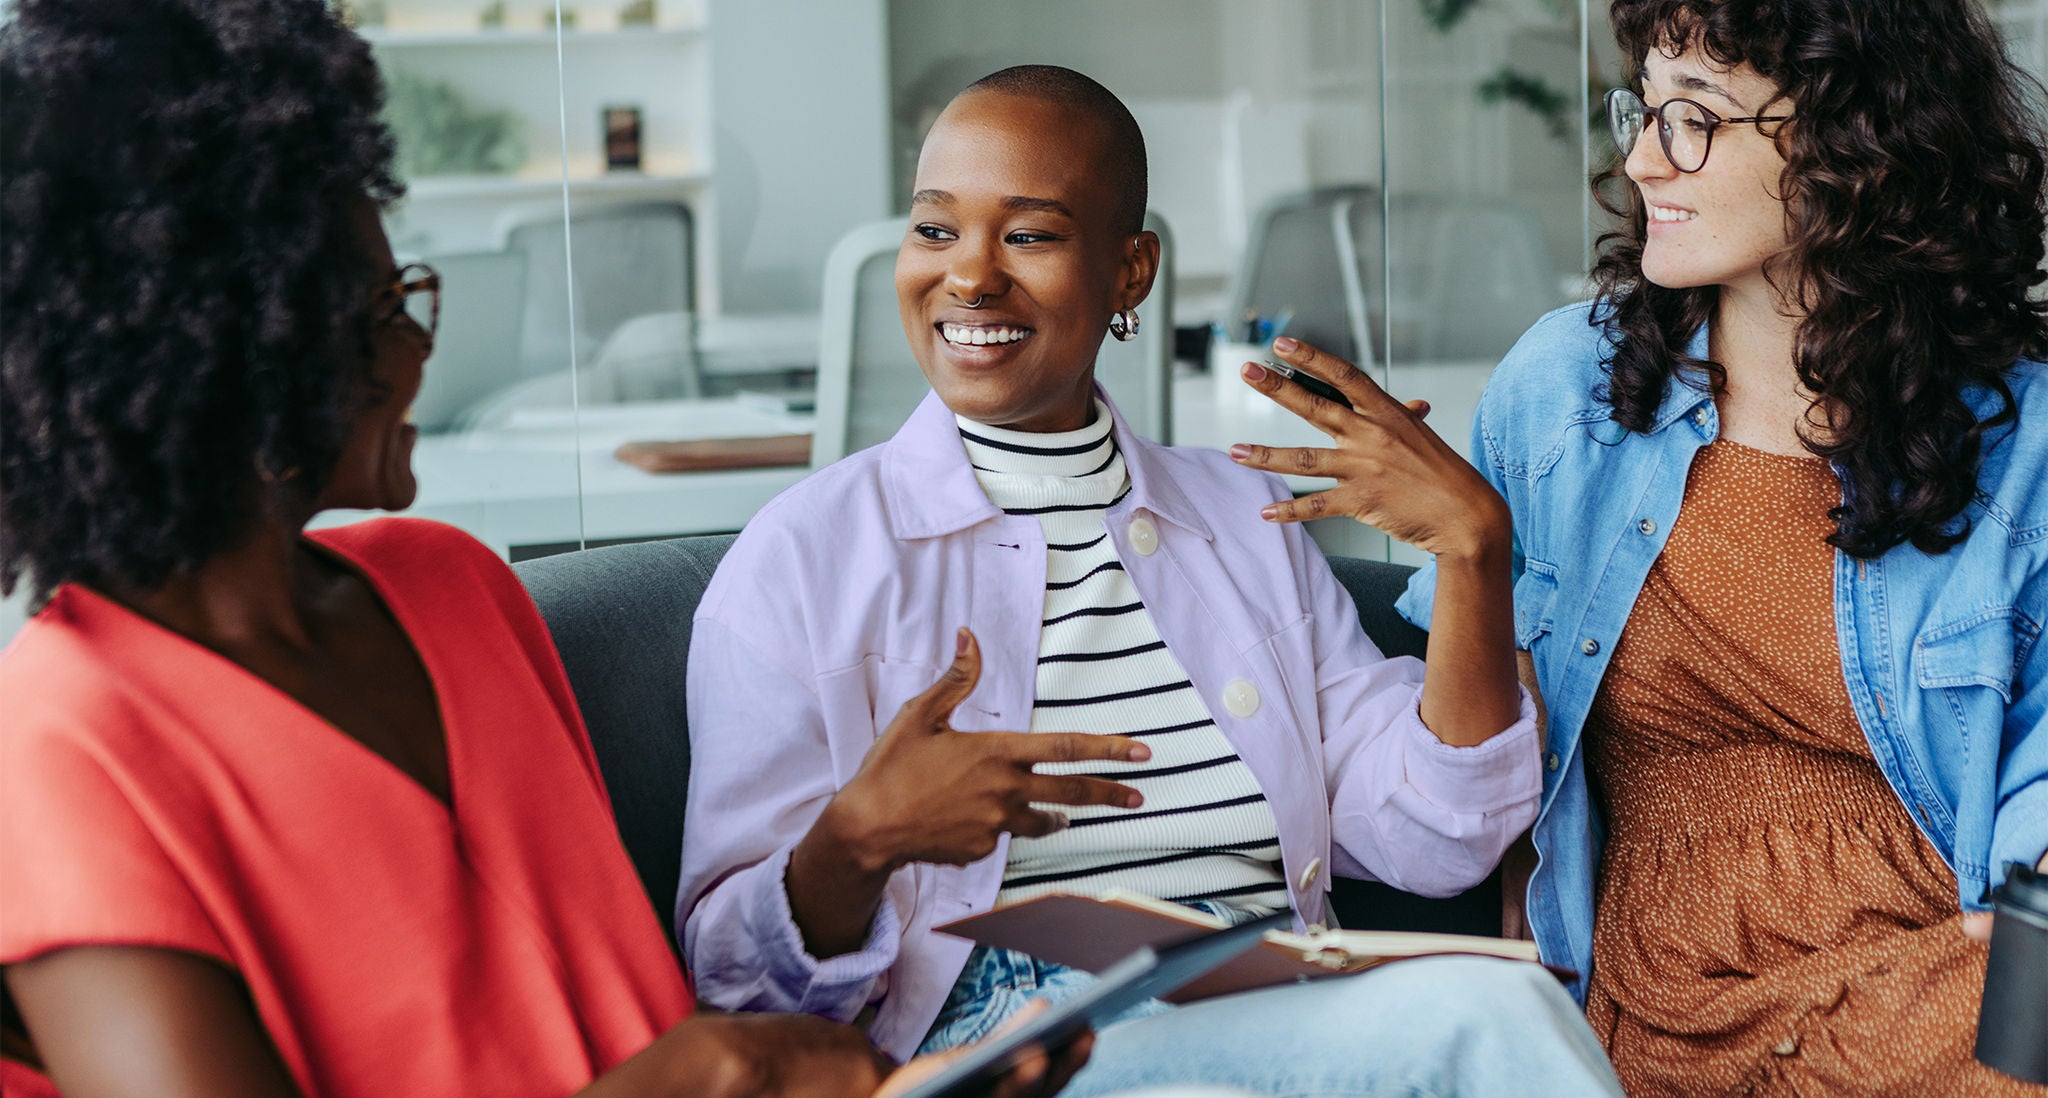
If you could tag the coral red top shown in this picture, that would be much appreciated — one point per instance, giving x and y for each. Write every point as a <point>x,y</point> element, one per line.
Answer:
<point>154,793</point>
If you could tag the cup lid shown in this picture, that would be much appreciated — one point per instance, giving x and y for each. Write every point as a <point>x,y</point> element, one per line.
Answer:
<point>2023,889</point>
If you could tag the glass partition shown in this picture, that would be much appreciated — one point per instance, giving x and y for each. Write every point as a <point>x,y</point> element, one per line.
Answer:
<point>657,220</point>
<point>1489,134</point>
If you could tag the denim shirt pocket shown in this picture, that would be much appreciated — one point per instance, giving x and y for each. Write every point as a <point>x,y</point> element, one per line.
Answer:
<point>1535,602</point>
<point>1984,649</point>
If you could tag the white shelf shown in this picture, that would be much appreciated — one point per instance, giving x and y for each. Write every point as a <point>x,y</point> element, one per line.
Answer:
<point>538,186</point>
<point>381,36</point>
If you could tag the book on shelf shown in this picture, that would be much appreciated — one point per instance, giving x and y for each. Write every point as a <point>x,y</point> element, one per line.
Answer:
<point>1094,932</point>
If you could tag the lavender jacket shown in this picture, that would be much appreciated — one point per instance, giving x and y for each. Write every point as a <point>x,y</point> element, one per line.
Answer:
<point>838,604</point>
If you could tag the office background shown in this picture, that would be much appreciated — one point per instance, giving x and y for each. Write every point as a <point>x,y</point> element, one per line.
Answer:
<point>633,204</point>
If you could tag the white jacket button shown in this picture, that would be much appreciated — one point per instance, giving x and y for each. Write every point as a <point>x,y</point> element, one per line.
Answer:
<point>1308,874</point>
<point>1144,536</point>
<point>1240,698</point>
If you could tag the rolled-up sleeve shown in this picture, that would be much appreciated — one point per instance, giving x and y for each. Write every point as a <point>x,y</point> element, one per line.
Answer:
<point>1407,808</point>
<point>761,772</point>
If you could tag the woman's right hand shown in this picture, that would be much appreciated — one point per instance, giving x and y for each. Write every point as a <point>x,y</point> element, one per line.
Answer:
<point>928,793</point>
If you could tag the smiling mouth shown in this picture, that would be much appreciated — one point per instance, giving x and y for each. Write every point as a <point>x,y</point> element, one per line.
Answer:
<point>982,335</point>
<point>1670,213</point>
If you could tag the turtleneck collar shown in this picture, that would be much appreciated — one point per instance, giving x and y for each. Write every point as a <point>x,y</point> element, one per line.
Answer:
<point>1077,453</point>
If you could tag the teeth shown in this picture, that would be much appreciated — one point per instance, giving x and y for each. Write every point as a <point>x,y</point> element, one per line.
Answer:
<point>1666,213</point>
<point>971,336</point>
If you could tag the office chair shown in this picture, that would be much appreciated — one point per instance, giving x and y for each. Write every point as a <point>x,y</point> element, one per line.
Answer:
<point>476,352</point>
<point>631,259</point>
<point>1313,256</point>
<point>868,382</point>
<point>1469,274</point>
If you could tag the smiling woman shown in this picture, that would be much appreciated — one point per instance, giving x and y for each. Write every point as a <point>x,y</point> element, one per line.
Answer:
<point>286,813</point>
<point>1020,253</point>
<point>1018,649</point>
<point>1777,500</point>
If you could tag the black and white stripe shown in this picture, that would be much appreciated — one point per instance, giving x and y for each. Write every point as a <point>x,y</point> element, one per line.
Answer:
<point>1205,831</point>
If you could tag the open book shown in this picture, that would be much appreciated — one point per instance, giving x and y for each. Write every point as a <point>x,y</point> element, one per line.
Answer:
<point>1094,932</point>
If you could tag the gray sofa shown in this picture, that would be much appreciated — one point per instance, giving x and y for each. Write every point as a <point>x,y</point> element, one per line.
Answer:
<point>621,618</point>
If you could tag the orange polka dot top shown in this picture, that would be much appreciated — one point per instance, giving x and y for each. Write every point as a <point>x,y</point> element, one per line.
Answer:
<point>1769,918</point>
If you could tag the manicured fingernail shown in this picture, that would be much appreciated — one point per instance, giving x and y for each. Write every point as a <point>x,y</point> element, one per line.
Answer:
<point>1133,800</point>
<point>1269,513</point>
<point>1286,344</point>
<point>960,641</point>
<point>1254,372</point>
<point>1140,753</point>
<point>1240,451</point>
<point>1059,821</point>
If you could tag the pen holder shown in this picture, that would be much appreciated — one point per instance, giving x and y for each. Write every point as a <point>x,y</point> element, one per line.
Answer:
<point>2012,1026</point>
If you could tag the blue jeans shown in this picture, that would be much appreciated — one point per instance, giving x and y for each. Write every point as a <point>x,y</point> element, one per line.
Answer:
<point>1434,1026</point>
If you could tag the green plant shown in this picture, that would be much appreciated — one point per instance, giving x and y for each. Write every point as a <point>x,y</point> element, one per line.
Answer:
<point>440,133</point>
<point>1510,85</point>
<point>1445,14</point>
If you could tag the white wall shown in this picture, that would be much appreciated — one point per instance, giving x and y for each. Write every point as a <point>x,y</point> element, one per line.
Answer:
<point>799,98</point>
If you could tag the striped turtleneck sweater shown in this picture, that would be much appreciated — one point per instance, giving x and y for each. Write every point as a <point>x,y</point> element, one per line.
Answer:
<point>1205,831</point>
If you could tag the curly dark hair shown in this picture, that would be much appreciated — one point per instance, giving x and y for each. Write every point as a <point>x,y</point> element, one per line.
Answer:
<point>1914,209</point>
<point>183,282</point>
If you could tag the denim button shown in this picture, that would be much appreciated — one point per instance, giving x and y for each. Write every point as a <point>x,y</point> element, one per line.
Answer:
<point>1144,536</point>
<point>1551,762</point>
<point>1699,415</point>
<point>1646,527</point>
<point>1590,646</point>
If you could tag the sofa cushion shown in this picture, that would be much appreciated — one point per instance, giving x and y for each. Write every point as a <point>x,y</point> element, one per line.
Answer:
<point>621,617</point>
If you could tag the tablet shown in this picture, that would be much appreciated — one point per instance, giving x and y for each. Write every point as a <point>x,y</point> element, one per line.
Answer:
<point>1145,974</point>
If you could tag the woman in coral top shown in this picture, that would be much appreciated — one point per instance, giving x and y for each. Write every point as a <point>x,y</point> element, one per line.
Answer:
<point>284,812</point>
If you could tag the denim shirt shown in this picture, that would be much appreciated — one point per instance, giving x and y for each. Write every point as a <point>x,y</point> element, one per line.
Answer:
<point>1938,650</point>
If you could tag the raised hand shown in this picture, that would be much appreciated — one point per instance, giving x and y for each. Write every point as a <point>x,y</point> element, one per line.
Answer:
<point>928,793</point>
<point>1392,471</point>
<point>1394,474</point>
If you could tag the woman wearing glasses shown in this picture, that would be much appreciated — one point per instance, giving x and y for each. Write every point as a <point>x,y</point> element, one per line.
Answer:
<point>1782,549</point>
<point>284,812</point>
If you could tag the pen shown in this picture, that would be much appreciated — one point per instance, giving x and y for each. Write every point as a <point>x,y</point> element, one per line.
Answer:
<point>1310,382</point>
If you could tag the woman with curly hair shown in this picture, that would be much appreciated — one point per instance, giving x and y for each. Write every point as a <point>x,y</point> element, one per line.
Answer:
<point>284,812</point>
<point>1780,502</point>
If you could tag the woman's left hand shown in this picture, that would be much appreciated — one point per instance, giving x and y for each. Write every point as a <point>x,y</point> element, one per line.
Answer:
<point>1393,472</point>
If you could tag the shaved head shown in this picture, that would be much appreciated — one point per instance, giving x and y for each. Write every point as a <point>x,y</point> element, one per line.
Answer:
<point>1121,146</point>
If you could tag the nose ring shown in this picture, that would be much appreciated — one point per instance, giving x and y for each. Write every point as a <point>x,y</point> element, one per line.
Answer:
<point>976,303</point>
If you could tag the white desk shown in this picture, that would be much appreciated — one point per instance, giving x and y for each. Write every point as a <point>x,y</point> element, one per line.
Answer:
<point>1216,412</point>
<point>549,476</point>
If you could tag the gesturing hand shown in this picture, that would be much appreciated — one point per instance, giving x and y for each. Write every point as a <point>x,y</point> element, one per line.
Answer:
<point>927,793</point>
<point>1392,471</point>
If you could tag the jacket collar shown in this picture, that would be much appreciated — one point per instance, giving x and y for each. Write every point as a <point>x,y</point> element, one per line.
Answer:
<point>1687,395</point>
<point>929,490</point>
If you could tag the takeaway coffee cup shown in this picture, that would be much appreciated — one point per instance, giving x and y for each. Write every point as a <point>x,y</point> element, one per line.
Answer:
<point>2012,1033</point>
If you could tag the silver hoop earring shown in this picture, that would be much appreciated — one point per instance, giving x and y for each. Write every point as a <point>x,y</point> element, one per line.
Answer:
<point>1124,325</point>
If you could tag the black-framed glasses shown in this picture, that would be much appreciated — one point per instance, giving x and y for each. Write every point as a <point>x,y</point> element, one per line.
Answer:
<point>1684,128</point>
<point>418,288</point>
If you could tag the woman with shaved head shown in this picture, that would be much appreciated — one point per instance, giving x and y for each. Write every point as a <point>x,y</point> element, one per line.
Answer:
<point>1018,649</point>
